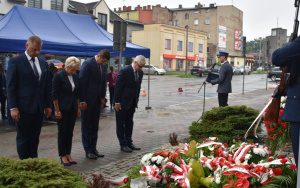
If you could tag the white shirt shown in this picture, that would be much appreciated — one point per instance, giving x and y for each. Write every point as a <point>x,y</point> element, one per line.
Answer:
<point>36,62</point>
<point>72,82</point>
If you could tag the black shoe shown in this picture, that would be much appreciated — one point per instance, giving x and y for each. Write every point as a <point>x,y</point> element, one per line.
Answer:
<point>90,156</point>
<point>133,147</point>
<point>97,154</point>
<point>126,149</point>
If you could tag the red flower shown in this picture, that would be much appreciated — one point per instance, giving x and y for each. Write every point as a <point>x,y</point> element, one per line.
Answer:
<point>275,135</point>
<point>241,183</point>
<point>280,157</point>
<point>258,169</point>
<point>275,126</point>
<point>279,120</point>
<point>168,179</point>
<point>271,138</point>
<point>267,123</point>
<point>230,159</point>
<point>284,125</point>
<point>280,112</point>
<point>225,144</point>
<point>227,173</point>
<point>277,171</point>
<point>270,159</point>
<point>280,132</point>
<point>292,166</point>
<point>125,180</point>
<point>228,184</point>
<point>268,130</point>
<point>214,168</point>
<point>283,161</point>
<point>242,175</point>
<point>272,130</point>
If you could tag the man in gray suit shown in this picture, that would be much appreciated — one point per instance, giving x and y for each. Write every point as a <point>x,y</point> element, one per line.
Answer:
<point>224,80</point>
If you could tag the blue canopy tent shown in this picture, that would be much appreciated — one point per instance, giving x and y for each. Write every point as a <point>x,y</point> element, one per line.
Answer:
<point>62,33</point>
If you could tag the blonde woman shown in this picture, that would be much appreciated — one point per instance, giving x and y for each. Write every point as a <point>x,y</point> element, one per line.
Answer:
<point>65,93</point>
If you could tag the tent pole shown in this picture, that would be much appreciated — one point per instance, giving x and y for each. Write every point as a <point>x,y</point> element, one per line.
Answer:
<point>148,107</point>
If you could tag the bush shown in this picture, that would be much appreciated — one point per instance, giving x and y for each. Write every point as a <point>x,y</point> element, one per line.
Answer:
<point>39,172</point>
<point>226,121</point>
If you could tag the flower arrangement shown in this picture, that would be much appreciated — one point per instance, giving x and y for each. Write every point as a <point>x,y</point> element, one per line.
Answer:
<point>213,164</point>
<point>278,133</point>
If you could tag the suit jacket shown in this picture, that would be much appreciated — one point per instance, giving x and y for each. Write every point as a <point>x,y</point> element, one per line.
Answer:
<point>112,80</point>
<point>224,80</point>
<point>290,54</point>
<point>127,90</point>
<point>23,90</point>
<point>92,83</point>
<point>62,91</point>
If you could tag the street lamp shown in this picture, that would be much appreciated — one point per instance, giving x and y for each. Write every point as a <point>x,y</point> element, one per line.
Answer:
<point>186,50</point>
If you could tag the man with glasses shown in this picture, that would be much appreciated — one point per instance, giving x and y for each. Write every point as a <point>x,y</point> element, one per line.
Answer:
<point>92,93</point>
<point>224,80</point>
<point>127,91</point>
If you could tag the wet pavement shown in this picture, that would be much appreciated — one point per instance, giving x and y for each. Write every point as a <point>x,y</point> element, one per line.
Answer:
<point>151,131</point>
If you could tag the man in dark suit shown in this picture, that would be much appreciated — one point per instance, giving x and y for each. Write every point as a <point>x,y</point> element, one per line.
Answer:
<point>28,92</point>
<point>92,94</point>
<point>290,55</point>
<point>224,80</point>
<point>127,91</point>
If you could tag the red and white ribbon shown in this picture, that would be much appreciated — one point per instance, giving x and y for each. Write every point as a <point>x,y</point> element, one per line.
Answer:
<point>152,173</point>
<point>241,153</point>
<point>180,177</point>
<point>209,143</point>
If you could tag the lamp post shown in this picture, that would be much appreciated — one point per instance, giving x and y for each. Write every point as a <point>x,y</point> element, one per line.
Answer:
<point>186,50</point>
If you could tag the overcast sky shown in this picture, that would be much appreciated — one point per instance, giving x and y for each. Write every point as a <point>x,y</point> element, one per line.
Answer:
<point>260,16</point>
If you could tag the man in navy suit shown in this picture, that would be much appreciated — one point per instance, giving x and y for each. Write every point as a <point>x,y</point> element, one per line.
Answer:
<point>224,80</point>
<point>127,91</point>
<point>92,94</point>
<point>290,55</point>
<point>28,93</point>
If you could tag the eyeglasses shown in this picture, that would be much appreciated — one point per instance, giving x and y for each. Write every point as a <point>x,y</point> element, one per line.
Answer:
<point>139,65</point>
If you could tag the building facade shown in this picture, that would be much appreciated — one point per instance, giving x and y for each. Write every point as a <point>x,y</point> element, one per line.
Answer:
<point>223,25</point>
<point>168,46</point>
<point>60,5</point>
<point>277,39</point>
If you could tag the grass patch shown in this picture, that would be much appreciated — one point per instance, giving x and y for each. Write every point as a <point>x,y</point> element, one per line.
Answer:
<point>259,72</point>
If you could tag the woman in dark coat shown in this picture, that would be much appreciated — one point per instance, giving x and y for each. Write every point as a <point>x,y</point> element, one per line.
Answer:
<point>65,93</point>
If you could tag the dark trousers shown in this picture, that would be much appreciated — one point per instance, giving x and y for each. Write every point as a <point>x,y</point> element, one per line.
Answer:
<point>65,132</point>
<point>28,132</point>
<point>111,95</point>
<point>3,101</point>
<point>223,99</point>
<point>90,125</point>
<point>124,120</point>
<point>295,126</point>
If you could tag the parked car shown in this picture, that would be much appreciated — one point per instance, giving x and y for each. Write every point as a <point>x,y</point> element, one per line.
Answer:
<point>274,73</point>
<point>259,69</point>
<point>153,70</point>
<point>236,70</point>
<point>247,69</point>
<point>197,71</point>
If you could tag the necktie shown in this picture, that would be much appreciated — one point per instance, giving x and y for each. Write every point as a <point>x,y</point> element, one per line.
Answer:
<point>100,70</point>
<point>36,73</point>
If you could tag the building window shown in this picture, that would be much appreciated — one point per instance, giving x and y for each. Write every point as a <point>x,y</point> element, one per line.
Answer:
<point>179,45</point>
<point>170,22</point>
<point>102,20</point>
<point>186,16</point>
<point>168,44</point>
<point>195,21</point>
<point>207,49</point>
<point>35,3</point>
<point>207,21</point>
<point>191,47</point>
<point>208,10</point>
<point>57,5</point>
<point>196,11</point>
<point>208,35</point>
<point>176,22</point>
<point>200,48</point>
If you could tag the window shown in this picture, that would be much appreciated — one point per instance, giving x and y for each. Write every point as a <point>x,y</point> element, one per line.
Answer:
<point>35,3</point>
<point>195,21</point>
<point>200,47</point>
<point>186,16</point>
<point>168,44</point>
<point>176,22</point>
<point>170,22</point>
<point>207,21</point>
<point>207,49</point>
<point>196,11</point>
<point>208,10</point>
<point>191,47</point>
<point>208,35</point>
<point>102,20</point>
<point>179,45</point>
<point>57,5</point>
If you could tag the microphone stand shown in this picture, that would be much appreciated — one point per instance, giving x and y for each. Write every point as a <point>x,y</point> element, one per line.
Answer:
<point>204,84</point>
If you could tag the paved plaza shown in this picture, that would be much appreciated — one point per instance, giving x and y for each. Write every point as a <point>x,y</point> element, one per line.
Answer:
<point>151,130</point>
